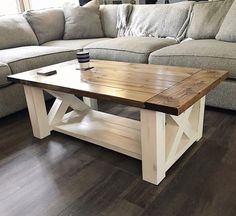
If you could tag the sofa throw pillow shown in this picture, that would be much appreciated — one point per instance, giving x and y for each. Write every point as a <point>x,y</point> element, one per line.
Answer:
<point>47,24</point>
<point>123,14</point>
<point>159,20</point>
<point>15,31</point>
<point>227,30</point>
<point>206,19</point>
<point>82,22</point>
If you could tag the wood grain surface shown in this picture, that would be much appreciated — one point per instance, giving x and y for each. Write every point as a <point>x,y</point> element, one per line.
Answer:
<point>161,88</point>
<point>184,94</point>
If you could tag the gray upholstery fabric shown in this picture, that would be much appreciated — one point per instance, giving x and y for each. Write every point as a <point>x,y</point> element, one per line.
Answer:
<point>223,96</point>
<point>12,99</point>
<point>127,49</point>
<point>227,30</point>
<point>159,20</point>
<point>73,44</point>
<point>209,54</point>
<point>48,24</point>
<point>108,14</point>
<point>171,1</point>
<point>30,57</point>
<point>82,22</point>
<point>4,72</point>
<point>206,19</point>
<point>15,31</point>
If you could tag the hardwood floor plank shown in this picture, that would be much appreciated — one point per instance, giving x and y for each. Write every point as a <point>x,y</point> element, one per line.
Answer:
<point>142,194</point>
<point>50,193</point>
<point>122,207</point>
<point>102,195</point>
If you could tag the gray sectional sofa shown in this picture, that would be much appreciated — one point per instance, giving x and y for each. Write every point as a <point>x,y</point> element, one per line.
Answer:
<point>150,34</point>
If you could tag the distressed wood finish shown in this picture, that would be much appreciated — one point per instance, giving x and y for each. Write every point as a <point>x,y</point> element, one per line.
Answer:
<point>91,102</point>
<point>165,138</point>
<point>37,111</point>
<point>159,139</point>
<point>94,126</point>
<point>153,145</point>
<point>160,88</point>
<point>184,94</point>
<point>83,123</point>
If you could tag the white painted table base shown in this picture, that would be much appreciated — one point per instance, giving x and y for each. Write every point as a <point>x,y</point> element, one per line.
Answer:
<point>158,139</point>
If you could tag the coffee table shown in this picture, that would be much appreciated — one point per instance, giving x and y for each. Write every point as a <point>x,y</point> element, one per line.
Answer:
<point>171,102</point>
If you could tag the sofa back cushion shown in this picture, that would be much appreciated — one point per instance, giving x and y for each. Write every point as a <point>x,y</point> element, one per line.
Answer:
<point>108,15</point>
<point>159,20</point>
<point>82,22</point>
<point>227,30</point>
<point>15,31</point>
<point>47,24</point>
<point>206,19</point>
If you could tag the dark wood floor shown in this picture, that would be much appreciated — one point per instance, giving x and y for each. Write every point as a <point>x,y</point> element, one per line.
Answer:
<point>63,176</point>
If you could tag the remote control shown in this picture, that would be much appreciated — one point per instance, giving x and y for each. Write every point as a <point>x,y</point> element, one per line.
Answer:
<point>46,73</point>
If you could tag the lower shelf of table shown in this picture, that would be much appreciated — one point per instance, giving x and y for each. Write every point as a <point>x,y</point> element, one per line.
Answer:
<point>106,130</point>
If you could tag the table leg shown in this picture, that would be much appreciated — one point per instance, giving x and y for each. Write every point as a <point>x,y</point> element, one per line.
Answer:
<point>91,102</point>
<point>164,138</point>
<point>153,146</point>
<point>37,111</point>
<point>201,117</point>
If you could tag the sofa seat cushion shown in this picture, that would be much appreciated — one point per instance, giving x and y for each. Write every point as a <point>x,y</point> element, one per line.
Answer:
<point>30,57</point>
<point>127,49</point>
<point>73,44</point>
<point>4,72</point>
<point>208,54</point>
